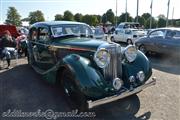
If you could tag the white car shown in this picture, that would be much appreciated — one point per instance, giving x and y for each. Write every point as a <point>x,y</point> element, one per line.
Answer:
<point>127,35</point>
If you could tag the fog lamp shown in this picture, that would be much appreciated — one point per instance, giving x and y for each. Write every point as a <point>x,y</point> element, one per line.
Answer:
<point>132,79</point>
<point>141,76</point>
<point>117,83</point>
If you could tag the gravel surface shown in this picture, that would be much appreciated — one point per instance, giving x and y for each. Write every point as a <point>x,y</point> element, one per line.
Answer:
<point>22,88</point>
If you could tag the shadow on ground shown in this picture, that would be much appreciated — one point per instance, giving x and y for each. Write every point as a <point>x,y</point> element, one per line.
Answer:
<point>167,64</point>
<point>22,89</point>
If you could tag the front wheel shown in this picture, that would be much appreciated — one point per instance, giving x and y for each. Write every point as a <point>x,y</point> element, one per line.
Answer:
<point>75,98</point>
<point>112,39</point>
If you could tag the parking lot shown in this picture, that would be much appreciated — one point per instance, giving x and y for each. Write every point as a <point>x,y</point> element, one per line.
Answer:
<point>23,89</point>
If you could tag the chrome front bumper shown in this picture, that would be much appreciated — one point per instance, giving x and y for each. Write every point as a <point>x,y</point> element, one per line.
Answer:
<point>105,100</point>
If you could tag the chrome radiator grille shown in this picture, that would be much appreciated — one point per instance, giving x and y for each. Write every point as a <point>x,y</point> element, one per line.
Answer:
<point>114,69</point>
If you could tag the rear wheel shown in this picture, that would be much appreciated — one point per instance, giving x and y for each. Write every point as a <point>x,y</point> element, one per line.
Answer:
<point>75,98</point>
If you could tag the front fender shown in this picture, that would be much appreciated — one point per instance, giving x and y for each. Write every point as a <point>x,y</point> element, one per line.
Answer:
<point>140,64</point>
<point>87,78</point>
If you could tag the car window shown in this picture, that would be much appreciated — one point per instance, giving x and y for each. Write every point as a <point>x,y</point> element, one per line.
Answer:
<point>119,31</point>
<point>128,32</point>
<point>177,35</point>
<point>157,33</point>
<point>75,29</point>
<point>43,34</point>
<point>98,31</point>
<point>33,34</point>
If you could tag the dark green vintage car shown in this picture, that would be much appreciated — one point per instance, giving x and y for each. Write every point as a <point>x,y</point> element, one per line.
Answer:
<point>90,72</point>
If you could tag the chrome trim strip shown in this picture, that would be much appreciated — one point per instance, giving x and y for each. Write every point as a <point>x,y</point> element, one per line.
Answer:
<point>64,47</point>
<point>105,100</point>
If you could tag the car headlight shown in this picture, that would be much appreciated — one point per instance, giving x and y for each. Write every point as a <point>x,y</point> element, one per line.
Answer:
<point>141,76</point>
<point>130,53</point>
<point>102,58</point>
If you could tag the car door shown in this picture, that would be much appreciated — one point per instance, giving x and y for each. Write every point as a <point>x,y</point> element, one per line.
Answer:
<point>170,44</point>
<point>127,35</point>
<point>119,35</point>
<point>43,55</point>
<point>155,38</point>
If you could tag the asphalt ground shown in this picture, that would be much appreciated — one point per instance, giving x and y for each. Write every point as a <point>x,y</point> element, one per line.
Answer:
<point>23,90</point>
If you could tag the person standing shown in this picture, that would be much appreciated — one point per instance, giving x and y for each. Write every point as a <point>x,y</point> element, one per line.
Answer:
<point>6,41</point>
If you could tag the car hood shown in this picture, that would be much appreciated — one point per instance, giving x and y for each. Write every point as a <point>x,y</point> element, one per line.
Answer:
<point>87,43</point>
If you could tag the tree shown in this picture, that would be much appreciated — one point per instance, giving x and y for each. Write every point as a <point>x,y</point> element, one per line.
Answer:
<point>110,16</point>
<point>99,18</point>
<point>68,16</point>
<point>122,18</point>
<point>13,17</point>
<point>36,16</point>
<point>146,16</point>
<point>104,18</point>
<point>161,21</point>
<point>78,17</point>
<point>178,23</point>
<point>58,17</point>
<point>90,19</point>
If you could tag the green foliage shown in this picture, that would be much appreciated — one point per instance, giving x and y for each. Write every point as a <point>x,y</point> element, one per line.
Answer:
<point>146,16</point>
<point>108,16</point>
<point>13,17</point>
<point>68,16</point>
<point>78,17</point>
<point>58,17</point>
<point>122,18</point>
<point>161,22</point>
<point>177,23</point>
<point>36,16</point>
<point>90,19</point>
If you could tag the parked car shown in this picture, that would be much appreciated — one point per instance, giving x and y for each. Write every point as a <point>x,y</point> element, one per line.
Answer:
<point>17,36</point>
<point>131,25</point>
<point>162,40</point>
<point>11,28</point>
<point>127,35</point>
<point>90,72</point>
<point>99,33</point>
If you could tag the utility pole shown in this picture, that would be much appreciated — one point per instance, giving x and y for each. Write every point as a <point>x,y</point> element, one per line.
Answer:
<point>172,16</point>
<point>167,13</point>
<point>137,10</point>
<point>151,14</point>
<point>116,14</point>
<point>126,12</point>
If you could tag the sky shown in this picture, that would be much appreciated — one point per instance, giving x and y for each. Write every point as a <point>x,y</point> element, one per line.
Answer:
<point>52,7</point>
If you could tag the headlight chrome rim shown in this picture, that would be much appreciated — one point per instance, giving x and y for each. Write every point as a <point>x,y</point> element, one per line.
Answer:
<point>130,53</point>
<point>104,57</point>
<point>117,83</point>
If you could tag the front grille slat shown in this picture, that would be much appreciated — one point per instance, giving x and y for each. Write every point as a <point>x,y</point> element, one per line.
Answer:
<point>114,69</point>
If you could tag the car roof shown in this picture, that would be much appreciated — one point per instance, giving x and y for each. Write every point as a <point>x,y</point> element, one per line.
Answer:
<point>168,28</point>
<point>122,23</point>
<point>52,23</point>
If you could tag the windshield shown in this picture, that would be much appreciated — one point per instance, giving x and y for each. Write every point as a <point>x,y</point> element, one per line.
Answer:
<point>71,29</point>
<point>98,31</point>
